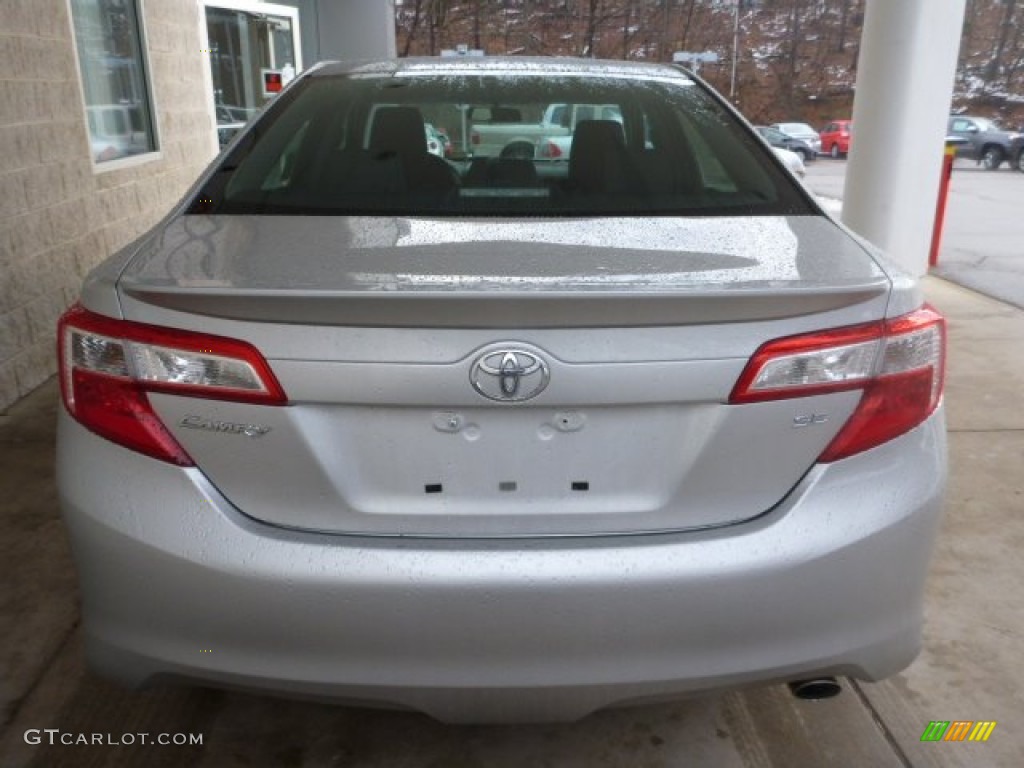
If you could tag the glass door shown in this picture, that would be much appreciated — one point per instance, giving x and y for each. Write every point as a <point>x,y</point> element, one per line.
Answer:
<point>254,51</point>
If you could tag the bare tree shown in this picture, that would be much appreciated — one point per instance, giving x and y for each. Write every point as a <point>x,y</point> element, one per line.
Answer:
<point>663,29</point>
<point>599,15</point>
<point>417,14</point>
<point>844,20</point>
<point>1016,59</point>
<point>437,16</point>
<point>627,27</point>
<point>476,25</point>
<point>1005,27</point>
<point>793,33</point>
<point>593,8</point>
<point>967,35</point>
<point>687,22</point>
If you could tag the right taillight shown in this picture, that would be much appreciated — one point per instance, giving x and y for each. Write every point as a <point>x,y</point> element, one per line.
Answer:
<point>899,364</point>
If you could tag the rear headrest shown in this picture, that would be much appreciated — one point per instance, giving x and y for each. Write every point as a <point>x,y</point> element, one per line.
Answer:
<point>600,136</point>
<point>398,130</point>
<point>597,159</point>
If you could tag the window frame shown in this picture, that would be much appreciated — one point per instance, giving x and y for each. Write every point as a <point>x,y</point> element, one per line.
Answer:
<point>142,158</point>
<point>244,6</point>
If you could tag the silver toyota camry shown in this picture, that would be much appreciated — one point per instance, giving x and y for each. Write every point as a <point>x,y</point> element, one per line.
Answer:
<point>598,408</point>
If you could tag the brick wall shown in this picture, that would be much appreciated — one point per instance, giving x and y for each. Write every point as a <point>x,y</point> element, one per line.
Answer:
<point>59,217</point>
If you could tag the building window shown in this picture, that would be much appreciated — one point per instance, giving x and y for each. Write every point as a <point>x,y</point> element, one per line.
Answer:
<point>114,82</point>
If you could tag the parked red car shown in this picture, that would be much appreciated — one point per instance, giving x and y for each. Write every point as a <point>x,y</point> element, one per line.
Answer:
<point>836,136</point>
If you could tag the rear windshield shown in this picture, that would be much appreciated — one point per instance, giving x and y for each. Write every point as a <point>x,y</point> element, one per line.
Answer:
<point>487,145</point>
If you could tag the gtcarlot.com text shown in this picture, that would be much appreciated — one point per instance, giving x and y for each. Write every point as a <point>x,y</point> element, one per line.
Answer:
<point>55,736</point>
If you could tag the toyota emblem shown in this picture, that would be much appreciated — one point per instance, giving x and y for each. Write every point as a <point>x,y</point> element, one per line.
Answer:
<point>509,374</point>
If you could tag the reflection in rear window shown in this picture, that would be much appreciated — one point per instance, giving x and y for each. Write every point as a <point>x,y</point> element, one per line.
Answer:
<point>577,145</point>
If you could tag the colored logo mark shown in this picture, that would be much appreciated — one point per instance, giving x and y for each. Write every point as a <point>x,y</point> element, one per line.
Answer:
<point>958,730</point>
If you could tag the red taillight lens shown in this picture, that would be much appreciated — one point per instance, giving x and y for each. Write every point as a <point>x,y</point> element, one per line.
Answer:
<point>118,409</point>
<point>899,364</point>
<point>107,366</point>
<point>550,150</point>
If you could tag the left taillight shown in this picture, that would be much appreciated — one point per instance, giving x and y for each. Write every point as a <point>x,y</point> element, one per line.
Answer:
<point>107,366</point>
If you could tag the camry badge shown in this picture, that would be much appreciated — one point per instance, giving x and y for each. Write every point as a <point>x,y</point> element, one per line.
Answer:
<point>510,374</point>
<point>191,421</point>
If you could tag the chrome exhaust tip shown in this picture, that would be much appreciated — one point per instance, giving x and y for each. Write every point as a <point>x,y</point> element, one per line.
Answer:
<point>815,689</point>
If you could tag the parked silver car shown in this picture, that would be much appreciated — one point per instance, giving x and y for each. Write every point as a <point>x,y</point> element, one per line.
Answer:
<point>801,131</point>
<point>357,421</point>
<point>784,141</point>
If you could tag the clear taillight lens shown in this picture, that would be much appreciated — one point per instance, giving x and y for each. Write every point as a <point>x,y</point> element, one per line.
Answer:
<point>188,368</point>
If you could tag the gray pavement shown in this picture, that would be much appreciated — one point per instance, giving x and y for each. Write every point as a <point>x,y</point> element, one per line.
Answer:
<point>969,669</point>
<point>983,240</point>
<point>982,245</point>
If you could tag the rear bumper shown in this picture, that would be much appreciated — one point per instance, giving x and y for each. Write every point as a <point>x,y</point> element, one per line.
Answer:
<point>177,583</point>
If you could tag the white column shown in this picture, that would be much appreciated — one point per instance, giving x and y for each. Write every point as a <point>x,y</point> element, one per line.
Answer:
<point>356,29</point>
<point>905,74</point>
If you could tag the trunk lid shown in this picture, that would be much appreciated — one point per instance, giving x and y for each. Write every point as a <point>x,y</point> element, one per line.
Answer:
<point>390,335</point>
